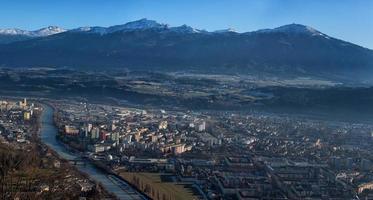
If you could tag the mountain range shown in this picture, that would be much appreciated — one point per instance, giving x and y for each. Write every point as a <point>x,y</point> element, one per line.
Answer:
<point>289,50</point>
<point>13,35</point>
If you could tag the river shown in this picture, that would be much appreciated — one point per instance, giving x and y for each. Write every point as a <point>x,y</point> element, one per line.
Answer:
<point>111,183</point>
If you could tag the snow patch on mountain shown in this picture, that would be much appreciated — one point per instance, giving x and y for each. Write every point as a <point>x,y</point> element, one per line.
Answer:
<point>94,29</point>
<point>14,31</point>
<point>228,30</point>
<point>141,24</point>
<point>50,30</point>
<point>185,29</point>
<point>294,29</point>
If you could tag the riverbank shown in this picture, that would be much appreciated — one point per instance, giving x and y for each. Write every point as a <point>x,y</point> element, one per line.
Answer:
<point>31,170</point>
<point>48,134</point>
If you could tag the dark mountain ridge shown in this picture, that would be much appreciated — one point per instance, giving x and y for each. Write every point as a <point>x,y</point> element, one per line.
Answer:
<point>146,45</point>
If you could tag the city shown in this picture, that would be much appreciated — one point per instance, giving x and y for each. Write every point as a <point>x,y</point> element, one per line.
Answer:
<point>224,155</point>
<point>203,155</point>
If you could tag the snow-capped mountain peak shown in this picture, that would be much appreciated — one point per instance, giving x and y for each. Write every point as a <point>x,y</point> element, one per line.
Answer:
<point>137,25</point>
<point>228,30</point>
<point>296,28</point>
<point>50,30</point>
<point>13,31</point>
<point>293,29</point>
<point>185,29</point>
<point>93,29</point>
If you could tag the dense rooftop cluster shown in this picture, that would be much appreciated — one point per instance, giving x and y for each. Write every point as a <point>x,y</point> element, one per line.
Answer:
<point>224,154</point>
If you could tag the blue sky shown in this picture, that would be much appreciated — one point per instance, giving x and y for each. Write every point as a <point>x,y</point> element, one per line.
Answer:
<point>350,20</point>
